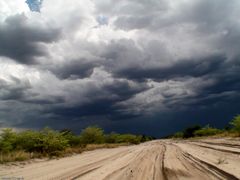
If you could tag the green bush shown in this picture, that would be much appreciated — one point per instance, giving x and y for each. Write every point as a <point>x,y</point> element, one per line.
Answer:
<point>207,131</point>
<point>111,138</point>
<point>236,123</point>
<point>144,138</point>
<point>52,141</point>
<point>29,141</point>
<point>189,132</point>
<point>92,135</point>
<point>128,138</point>
<point>178,135</point>
<point>47,142</point>
<point>7,140</point>
<point>73,140</point>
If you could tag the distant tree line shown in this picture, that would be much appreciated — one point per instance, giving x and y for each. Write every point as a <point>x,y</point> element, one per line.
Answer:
<point>48,142</point>
<point>198,131</point>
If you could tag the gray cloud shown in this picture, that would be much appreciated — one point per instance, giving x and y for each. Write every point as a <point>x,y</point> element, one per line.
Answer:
<point>15,90</point>
<point>141,62</point>
<point>22,42</point>
<point>74,69</point>
<point>182,68</point>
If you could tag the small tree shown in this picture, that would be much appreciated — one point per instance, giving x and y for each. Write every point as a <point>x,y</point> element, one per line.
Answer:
<point>7,140</point>
<point>236,123</point>
<point>28,140</point>
<point>92,135</point>
<point>53,141</point>
<point>73,139</point>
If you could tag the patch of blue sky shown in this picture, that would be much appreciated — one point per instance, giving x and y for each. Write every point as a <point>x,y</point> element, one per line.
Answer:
<point>102,20</point>
<point>34,5</point>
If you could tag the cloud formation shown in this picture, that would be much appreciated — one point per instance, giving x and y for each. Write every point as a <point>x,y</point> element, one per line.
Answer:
<point>120,63</point>
<point>22,41</point>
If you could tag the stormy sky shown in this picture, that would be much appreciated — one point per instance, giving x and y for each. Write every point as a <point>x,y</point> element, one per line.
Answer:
<point>151,66</point>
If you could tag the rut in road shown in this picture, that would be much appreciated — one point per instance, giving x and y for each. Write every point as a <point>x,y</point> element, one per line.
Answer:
<point>153,160</point>
<point>159,161</point>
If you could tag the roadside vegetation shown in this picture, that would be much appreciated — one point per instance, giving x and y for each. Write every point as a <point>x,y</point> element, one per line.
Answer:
<point>20,146</point>
<point>233,130</point>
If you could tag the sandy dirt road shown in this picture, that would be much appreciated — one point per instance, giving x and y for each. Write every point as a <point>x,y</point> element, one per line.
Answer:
<point>155,160</point>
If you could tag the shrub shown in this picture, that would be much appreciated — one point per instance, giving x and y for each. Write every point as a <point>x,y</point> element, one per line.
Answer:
<point>73,140</point>
<point>128,138</point>
<point>8,140</point>
<point>52,141</point>
<point>144,138</point>
<point>236,123</point>
<point>111,138</point>
<point>47,142</point>
<point>207,131</point>
<point>189,132</point>
<point>178,135</point>
<point>29,141</point>
<point>92,135</point>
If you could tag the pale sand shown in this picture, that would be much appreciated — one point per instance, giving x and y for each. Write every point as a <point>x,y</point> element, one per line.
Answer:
<point>160,159</point>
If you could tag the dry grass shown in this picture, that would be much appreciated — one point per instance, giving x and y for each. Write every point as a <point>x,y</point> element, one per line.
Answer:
<point>90,147</point>
<point>224,134</point>
<point>23,156</point>
<point>18,156</point>
<point>14,156</point>
<point>228,134</point>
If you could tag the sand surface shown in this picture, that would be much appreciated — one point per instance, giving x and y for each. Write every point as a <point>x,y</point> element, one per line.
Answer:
<point>160,159</point>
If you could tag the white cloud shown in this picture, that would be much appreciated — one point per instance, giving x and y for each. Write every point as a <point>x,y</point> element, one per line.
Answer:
<point>8,8</point>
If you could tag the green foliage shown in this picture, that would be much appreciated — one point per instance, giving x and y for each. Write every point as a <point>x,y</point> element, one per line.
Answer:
<point>236,123</point>
<point>47,142</point>
<point>52,141</point>
<point>233,130</point>
<point>128,138</point>
<point>73,140</point>
<point>189,132</point>
<point>111,138</point>
<point>92,135</point>
<point>144,138</point>
<point>178,135</point>
<point>29,141</point>
<point>207,131</point>
<point>8,140</point>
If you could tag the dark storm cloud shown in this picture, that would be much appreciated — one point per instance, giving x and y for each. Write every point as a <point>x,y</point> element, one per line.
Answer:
<point>142,64</point>
<point>103,102</point>
<point>182,68</point>
<point>35,99</point>
<point>123,90</point>
<point>223,92</point>
<point>74,69</point>
<point>227,78</point>
<point>21,41</point>
<point>15,90</point>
